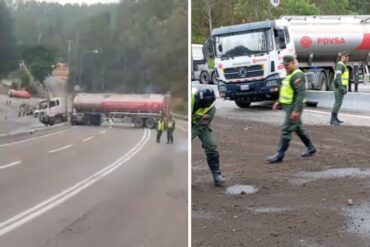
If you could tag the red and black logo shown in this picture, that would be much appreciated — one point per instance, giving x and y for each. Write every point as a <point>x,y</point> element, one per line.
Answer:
<point>305,42</point>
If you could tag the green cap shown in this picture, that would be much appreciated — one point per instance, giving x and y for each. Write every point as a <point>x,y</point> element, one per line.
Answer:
<point>288,59</point>
<point>344,53</point>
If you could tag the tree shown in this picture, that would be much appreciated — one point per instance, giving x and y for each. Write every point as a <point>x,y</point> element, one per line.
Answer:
<point>8,55</point>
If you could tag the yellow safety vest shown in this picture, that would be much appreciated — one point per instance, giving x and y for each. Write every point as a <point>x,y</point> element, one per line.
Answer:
<point>160,125</point>
<point>286,91</point>
<point>201,111</point>
<point>344,76</point>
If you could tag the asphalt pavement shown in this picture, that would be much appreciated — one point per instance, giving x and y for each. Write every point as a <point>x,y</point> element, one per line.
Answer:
<point>94,186</point>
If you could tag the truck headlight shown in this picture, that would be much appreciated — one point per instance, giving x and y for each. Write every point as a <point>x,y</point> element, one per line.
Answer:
<point>222,88</point>
<point>272,83</point>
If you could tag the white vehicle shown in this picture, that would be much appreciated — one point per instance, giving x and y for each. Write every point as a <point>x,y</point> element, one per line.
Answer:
<point>200,70</point>
<point>52,111</point>
<point>248,57</point>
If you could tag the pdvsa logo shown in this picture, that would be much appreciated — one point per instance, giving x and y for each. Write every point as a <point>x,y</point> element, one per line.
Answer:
<point>306,42</point>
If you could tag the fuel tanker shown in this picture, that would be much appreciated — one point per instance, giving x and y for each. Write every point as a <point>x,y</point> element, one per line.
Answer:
<point>141,109</point>
<point>248,57</point>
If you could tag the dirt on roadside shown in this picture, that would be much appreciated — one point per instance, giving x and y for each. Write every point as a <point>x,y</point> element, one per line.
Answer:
<point>300,202</point>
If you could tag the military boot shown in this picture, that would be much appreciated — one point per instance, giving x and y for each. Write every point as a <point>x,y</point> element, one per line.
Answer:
<point>336,117</point>
<point>310,148</point>
<point>214,166</point>
<point>279,155</point>
<point>333,120</point>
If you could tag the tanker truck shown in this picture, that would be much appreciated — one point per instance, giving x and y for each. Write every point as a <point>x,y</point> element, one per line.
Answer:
<point>248,57</point>
<point>142,110</point>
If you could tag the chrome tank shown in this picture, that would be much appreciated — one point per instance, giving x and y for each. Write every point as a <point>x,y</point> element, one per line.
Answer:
<point>326,36</point>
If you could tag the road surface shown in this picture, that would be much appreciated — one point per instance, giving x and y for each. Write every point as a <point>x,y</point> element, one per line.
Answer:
<point>94,186</point>
<point>304,202</point>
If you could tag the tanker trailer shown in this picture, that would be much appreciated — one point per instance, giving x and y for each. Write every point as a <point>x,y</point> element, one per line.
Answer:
<point>248,57</point>
<point>142,110</point>
<point>318,41</point>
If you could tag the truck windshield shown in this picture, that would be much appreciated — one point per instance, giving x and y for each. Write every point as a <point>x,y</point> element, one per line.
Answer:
<point>246,43</point>
<point>43,105</point>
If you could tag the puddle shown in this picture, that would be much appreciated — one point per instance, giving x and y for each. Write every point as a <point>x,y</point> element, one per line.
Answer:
<point>241,189</point>
<point>270,210</point>
<point>304,177</point>
<point>359,219</point>
<point>202,214</point>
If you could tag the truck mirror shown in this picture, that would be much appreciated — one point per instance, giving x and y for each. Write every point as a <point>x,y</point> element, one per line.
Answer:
<point>220,47</point>
<point>281,39</point>
<point>208,51</point>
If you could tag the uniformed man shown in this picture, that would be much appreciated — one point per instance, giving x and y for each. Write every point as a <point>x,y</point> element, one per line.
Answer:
<point>292,100</point>
<point>160,128</point>
<point>170,126</point>
<point>341,78</point>
<point>203,110</point>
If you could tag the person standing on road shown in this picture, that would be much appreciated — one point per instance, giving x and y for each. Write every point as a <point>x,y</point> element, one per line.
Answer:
<point>341,78</point>
<point>292,99</point>
<point>170,126</point>
<point>160,128</point>
<point>203,101</point>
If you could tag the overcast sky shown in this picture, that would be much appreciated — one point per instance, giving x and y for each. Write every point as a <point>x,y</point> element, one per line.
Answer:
<point>80,1</point>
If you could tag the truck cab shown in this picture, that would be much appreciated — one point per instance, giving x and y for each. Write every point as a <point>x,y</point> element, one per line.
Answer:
<point>200,70</point>
<point>248,60</point>
<point>52,111</point>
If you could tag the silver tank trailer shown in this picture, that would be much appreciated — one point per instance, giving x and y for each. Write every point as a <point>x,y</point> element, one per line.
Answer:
<point>325,36</point>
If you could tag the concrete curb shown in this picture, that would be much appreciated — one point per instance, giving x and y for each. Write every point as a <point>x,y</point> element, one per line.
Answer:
<point>357,102</point>
<point>181,117</point>
<point>30,131</point>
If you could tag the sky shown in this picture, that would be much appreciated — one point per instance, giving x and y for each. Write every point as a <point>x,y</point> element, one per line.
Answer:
<point>80,1</point>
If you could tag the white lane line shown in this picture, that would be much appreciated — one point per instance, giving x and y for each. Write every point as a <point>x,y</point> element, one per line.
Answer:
<point>341,114</point>
<point>88,139</point>
<point>103,132</point>
<point>39,209</point>
<point>60,149</point>
<point>10,164</point>
<point>31,139</point>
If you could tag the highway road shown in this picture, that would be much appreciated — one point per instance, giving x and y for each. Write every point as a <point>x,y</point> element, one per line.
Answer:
<point>94,186</point>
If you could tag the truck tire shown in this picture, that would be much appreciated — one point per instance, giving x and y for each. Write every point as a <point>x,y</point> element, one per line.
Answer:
<point>214,78</point>
<point>331,81</point>
<point>97,121</point>
<point>204,77</point>
<point>138,122</point>
<point>242,103</point>
<point>150,123</point>
<point>323,82</point>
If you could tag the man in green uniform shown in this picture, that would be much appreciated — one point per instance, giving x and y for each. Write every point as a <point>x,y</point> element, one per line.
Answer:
<point>341,78</point>
<point>160,128</point>
<point>292,99</point>
<point>203,110</point>
<point>170,126</point>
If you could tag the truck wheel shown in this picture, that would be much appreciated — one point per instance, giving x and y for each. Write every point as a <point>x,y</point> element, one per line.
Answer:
<point>242,103</point>
<point>204,77</point>
<point>150,123</point>
<point>214,78</point>
<point>331,81</point>
<point>139,122</point>
<point>323,82</point>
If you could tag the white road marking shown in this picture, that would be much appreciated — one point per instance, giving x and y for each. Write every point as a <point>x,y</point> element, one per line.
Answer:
<point>87,139</point>
<point>342,114</point>
<point>31,139</point>
<point>39,209</point>
<point>103,132</point>
<point>60,149</point>
<point>10,164</point>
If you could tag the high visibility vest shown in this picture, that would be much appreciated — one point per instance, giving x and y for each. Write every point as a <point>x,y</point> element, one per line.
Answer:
<point>201,111</point>
<point>170,124</point>
<point>286,94</point>
<point>344,75</point>
<point>160,125</point>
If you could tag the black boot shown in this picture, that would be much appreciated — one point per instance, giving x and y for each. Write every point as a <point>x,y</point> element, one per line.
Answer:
<point>333,120</point>
<point>214,166</point>
<point>310,148</point>
<point>279,155</point>
<point>336,117</point>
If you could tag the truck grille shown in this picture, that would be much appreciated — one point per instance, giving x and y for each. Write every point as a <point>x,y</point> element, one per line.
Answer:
<point>243,72</point>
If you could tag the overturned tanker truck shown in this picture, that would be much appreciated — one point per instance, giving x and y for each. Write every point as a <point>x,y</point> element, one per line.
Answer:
<point>248,57</point>
<point>142,110</point>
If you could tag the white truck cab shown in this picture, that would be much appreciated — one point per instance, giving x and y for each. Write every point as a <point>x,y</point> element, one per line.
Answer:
<point>52,111</point>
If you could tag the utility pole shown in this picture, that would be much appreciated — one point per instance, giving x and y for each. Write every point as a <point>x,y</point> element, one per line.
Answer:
<point>69,70</point>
